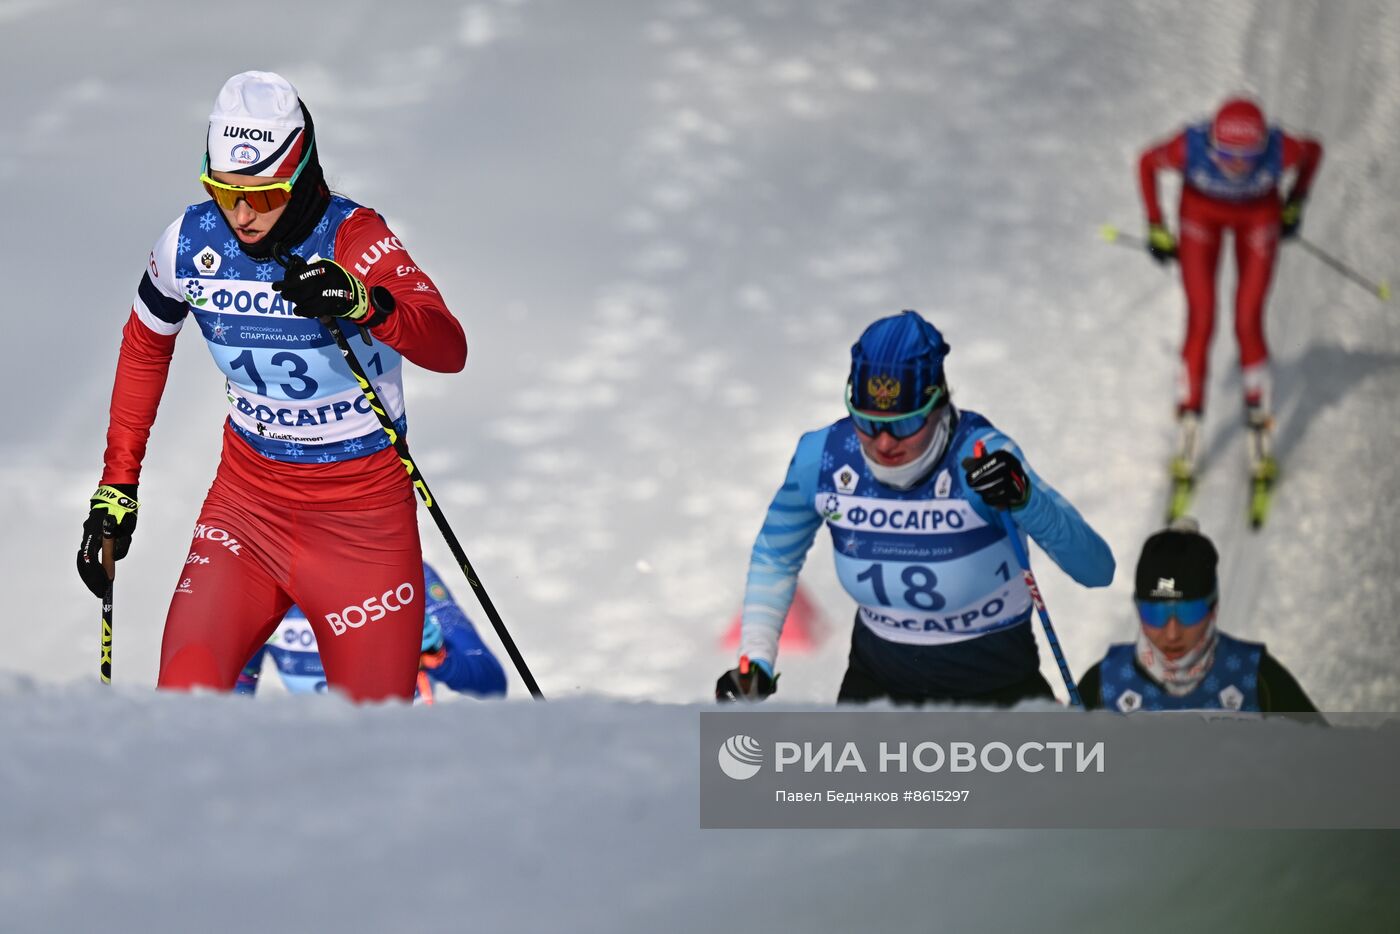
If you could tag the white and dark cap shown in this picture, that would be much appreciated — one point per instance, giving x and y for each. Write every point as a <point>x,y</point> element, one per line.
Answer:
<point>1177,563</point>
<point>258,126</point>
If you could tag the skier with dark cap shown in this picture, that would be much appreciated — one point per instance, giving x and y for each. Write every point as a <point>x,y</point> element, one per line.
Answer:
<point>913,489</point>
<point>310,504</point>
<point>1180,659</point>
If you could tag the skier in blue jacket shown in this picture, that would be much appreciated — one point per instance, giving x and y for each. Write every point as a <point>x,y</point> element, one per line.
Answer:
<point>913,490</point>
<point>453,655</point>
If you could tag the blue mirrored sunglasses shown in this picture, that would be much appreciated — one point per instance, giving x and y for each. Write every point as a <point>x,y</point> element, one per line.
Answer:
<point>1157,613</point>
<point>901,426</point>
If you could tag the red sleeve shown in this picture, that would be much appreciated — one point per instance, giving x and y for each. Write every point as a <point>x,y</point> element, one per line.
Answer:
<point>1305,154</point>
<point>142,366</point>
<point>1168,155</point>
<point>421,328</point>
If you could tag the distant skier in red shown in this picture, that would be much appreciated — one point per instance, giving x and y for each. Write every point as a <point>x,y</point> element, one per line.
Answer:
<point>1232,167</point>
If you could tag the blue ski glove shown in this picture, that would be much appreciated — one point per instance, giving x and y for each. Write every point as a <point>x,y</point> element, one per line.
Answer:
<point>432,635</point>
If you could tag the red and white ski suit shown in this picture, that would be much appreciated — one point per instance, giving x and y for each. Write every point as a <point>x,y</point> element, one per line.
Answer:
<point>1204,218</point>
<point>308,505</point>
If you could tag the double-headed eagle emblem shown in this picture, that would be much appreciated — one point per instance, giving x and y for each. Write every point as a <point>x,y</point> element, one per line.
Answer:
<point>884,390</point>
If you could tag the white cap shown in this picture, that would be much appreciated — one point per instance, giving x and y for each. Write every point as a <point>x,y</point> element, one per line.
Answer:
<point>257,127</point>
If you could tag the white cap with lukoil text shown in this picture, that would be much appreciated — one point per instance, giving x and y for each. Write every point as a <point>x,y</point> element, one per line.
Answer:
<point>257,127</point>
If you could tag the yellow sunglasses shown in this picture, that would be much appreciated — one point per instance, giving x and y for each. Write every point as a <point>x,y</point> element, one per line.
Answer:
<point>261,198</point>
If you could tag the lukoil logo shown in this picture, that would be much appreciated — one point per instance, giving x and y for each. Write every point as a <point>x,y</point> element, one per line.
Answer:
<point>240,132</point>
<point>212,534</point>
<point>740,757</point>
<point>353,617</point>
<point>376,252</point>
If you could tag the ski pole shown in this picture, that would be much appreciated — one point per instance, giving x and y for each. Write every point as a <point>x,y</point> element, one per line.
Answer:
<point>425,688</point>
<point>109,564</point>
<point>421,485</point>
<point>1024,560</point>
<point>1111,234</point>
<point>1379,289</point>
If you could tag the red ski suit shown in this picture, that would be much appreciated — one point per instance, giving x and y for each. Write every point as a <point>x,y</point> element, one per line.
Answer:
<point>1204,219</point>
<point>339,538</point>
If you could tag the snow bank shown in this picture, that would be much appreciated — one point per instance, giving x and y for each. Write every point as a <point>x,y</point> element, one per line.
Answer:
<point>128,811</point>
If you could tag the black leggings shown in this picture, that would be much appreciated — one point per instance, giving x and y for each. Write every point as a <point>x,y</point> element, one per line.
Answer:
<point>999,669</point>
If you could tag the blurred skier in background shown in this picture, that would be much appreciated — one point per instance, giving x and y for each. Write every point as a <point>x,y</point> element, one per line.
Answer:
<point>310,504</point>
<point>912,489</point>
<point>1232,167</point>
<point>1181,660</point>
<point>453,655</point>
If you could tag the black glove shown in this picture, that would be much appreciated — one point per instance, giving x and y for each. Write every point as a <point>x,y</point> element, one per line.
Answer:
<point>1160,243</point>
<point>1291,219</point>
<point>748,682</point>
<point>117,501</point>
<point>325,289</point>
<point>999,479</point>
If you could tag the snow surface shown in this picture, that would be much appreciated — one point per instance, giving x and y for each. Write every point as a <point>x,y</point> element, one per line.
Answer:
<point>662,225</point>
<point>218,814</point>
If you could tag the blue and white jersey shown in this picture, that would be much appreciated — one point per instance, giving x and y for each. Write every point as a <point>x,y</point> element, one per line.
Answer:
<point>291,395</point>
<point>1232,683</point>
<point>931,565</point>
<point>1205,176</point>
<point>293,650</point>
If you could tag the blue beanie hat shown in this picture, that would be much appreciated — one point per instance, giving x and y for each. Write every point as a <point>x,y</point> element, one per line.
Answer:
<point>897,364</point>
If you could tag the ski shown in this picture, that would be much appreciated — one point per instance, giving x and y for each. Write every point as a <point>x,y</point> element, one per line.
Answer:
<point>1259,501</point>
<point>1263,468</point>
<point>1263,472</point>
<point>1183,480</point>
<point>1182,470</point>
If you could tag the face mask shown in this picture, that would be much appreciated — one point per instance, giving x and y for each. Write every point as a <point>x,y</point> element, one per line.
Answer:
<point>1180,676</point>
<point>906,476</point>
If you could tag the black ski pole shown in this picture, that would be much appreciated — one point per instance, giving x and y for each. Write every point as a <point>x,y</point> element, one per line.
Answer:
<point>421,485</point>
<point>1379,289</point>
<point>109,564</point>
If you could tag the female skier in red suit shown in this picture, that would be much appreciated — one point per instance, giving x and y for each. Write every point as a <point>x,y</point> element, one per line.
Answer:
<point>1232,167</point>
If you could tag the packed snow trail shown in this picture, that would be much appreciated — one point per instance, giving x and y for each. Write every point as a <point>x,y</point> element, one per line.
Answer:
<point>127,811</point>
